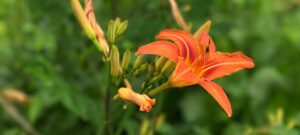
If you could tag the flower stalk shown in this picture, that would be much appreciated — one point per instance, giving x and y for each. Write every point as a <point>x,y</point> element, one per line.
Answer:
<point>159,89</point>
<point>178,18</point>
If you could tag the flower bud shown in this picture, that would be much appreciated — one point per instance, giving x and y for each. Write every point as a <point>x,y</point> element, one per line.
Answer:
<point>141,100</point>
<point>126,60</point>
<point>84,22</point>
<point>122,27</point>
<point>159,121</point>
<point>169,65</point>
<point>111,32</point>
<point>13,95</point>
<point>151,68</point>
<point>138,61</point>
<point>143,67</point>
<point>145,126</point>
<point>143,85</point>
<point>203,29</point>
<point>148,87</point>
<point>114,62</point>
<point>156,78</point>
<point>160,62</point>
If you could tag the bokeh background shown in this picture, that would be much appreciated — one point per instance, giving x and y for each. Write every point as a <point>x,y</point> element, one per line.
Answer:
<point>45,54</point>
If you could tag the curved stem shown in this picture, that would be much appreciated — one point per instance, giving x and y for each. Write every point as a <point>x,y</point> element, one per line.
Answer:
<point>159,89</point>
<point>176,13</point>
<point>14,113</point>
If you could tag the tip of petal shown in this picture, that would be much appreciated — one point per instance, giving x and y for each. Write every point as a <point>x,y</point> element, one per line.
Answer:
<point>146,106</point>
<point>218,94</point>
<point>229,113</point>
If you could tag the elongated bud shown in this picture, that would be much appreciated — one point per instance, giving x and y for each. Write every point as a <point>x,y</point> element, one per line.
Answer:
<point>143,85</point>
<point>122,28</point>
<point>159,121</point>
<point>14,95</point>
<point>178,18</point>
<point>148,87</point>
<point>203,29</point>
<point>156,78</point>
<point>143,67</point>
<point>138,61</point>
<point>144,129</point>
<point>126,59</point>
<point>111,32</point>
<point>169,65</point>
<point>151,68</point>
<point>160,62</point>
<point>84,22</point>
<point>114,62</point>
<point>117,22</point>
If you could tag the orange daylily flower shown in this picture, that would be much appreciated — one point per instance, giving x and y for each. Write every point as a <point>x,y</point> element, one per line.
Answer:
<point>197,61</point>
<point>142,100</point>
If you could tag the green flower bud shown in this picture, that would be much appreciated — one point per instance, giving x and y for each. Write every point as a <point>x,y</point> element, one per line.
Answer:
<point>151,68</point>
<point>114,62</point>
<point>126,59</point>
<point>138,61</point>
<point>156,78</point>
<point>122,27</point>
<point>143,67</point>
<point>111,32</point>
<point>160,62</point>
<point>84,22</point>
<point>149,87</point>
<point>143,85</point>
<point>117,22</point>
<point>169,65</point>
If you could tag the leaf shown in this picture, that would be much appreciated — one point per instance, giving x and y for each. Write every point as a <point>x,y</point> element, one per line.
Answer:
<point>35,108</point>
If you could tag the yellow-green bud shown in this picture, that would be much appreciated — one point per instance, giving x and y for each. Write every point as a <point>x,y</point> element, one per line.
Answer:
<point>122,27</point>
<point>169,65</point>
<point>151,68</point>
<point>79,13</point>
<point>156,78</point>
<point>143,85</point>
<point>203,29</point>
<point>143,67</point>
<point>111,32</point>
<point>160,62</point>
<point>138,61</point>
<point>126,59</point>
<point>117,22</point>
<point>149,87</point>
<point>114,62</point>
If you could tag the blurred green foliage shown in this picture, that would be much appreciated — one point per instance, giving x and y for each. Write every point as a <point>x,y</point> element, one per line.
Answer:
<point>44,53</point>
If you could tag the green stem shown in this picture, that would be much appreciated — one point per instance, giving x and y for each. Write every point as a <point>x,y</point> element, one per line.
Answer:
<point>159,89</point>
<point>107,103</point>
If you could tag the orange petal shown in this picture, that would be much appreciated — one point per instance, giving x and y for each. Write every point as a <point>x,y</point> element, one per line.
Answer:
<point>218,94</point>
<point>222,64</point>
<point>207,43</point>
<point>187,44</point>
<point>183,75</point>
<point>163,48</point>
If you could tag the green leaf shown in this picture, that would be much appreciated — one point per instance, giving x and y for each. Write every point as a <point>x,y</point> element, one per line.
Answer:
<point>35,109</point>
